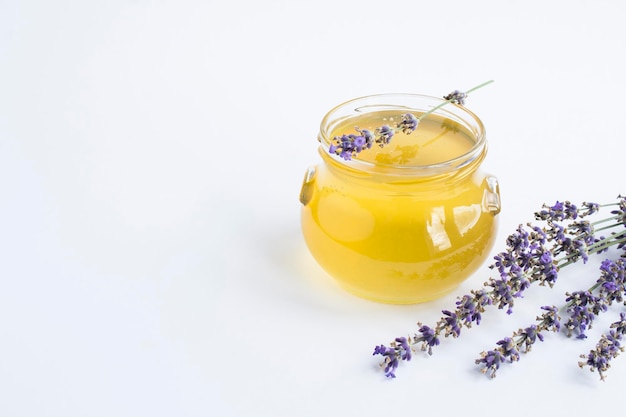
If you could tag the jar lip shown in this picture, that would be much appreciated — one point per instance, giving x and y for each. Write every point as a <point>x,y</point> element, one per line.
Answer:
<point>406,102</point>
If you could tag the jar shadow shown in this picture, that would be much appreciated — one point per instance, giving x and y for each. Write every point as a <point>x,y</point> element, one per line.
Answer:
<point>298,276</point>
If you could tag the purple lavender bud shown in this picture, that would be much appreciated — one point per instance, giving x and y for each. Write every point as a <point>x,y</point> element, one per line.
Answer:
<point>508,347</point>
<point>482,298</point>
<point>380,350</point>
<point>428,337</point>
<point>571,211</point>
<point>558,212</point>
<point>390,369</point>
<point>369,137</point>
<point>345,140</point>
<point>347,155</point>
<point>457,97</point>
<point>597,360</point>
<point>518,241</point>
<point>590,208</point>
<point>390,359</point>
<point>610,286</point>
<point>408,124</point>
<point>545,258</point>
<point>539,235</point>
<point>403,348</point>
<point>502,295</point>
<point>550,319</point>
<point>451,321</point>
<point>557,232</point>
<point>580,250</point>
<point>613,338</point>
<point>549,273</point>
<point>530,335</point>
<point>468,310</point>
<point>503,260</point>
<point>491,361</point>
<point>384,135</point>
<point>621,211</point>
<point>620,326</point>
<point>606,265</point>
<point>359,143</point>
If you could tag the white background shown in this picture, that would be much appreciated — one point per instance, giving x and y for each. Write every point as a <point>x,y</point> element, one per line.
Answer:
<point>151,156</point>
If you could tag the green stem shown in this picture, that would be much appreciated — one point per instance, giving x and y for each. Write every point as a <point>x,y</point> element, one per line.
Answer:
<point>610,226</point>
<point>478,86</point>
<point>591,249</point>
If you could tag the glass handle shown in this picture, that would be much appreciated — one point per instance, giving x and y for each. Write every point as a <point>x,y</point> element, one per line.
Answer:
<point>491,196</point>
<point>306,192</point>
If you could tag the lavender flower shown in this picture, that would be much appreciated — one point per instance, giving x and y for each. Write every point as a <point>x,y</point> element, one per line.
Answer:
<point>391,361</point>
<point>620,212</point>
<point>457,97</point>
<point>509,348</point>
<point>611,282</point>
<point>529,336</point>
<point>427,338</point>
<point>583,307</point>
<point>550,320</point>
<point>398,350</point>
<point>491,361</point>
<point>558,212</point>
<point>534,254</point>
<point>348,146</point>
<point>384,135</point>
<point>408,124</point>
<point>608,347</point>
<point>451,322</point>
<point>471,307</point>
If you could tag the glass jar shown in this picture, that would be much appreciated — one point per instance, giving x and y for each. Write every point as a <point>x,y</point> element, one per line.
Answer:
<point>409,221</point>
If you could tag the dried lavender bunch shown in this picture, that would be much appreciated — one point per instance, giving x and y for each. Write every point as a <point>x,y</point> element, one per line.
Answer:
<point>582,307</point>
<point>349,145</point>
<point>534,254</point>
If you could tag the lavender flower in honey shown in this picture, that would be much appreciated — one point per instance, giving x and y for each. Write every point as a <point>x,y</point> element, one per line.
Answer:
<point>348,146</point>
<point>534,254</point>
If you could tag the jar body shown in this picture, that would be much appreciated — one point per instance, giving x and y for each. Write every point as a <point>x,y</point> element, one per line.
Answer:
<point>399,238</point>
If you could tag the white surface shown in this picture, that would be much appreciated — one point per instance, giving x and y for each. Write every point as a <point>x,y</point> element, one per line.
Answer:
<point>151,156</point>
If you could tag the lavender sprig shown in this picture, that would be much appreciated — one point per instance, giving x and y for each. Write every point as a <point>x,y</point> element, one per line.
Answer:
<point>608,348</point>
<point>535,254</point>
<point>348,146</point>
<point>583,307</point>
<point>398,350</point>
<point>509,348</point>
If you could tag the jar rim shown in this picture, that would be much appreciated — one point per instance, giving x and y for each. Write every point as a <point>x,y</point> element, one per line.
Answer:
<point>406,102</point>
